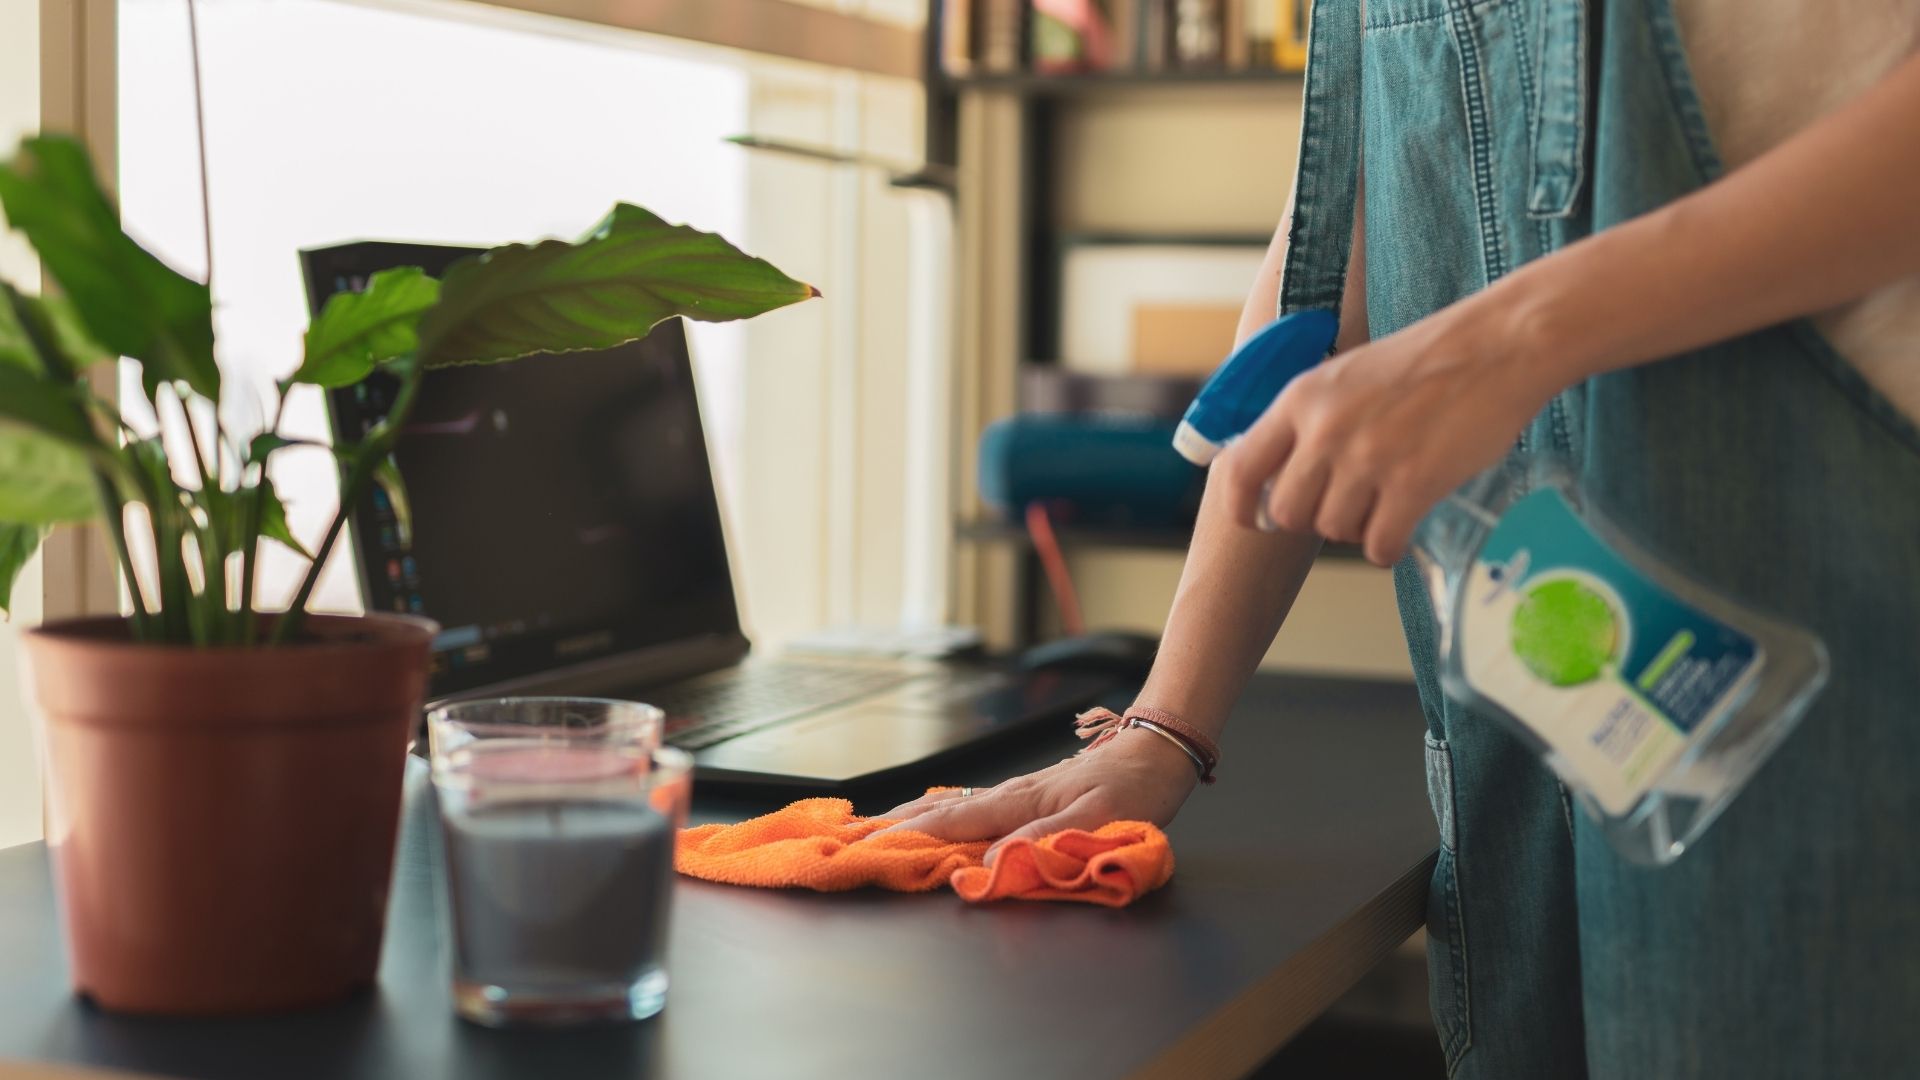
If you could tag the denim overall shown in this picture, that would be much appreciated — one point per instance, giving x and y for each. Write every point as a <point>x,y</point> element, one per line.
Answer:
<point>1786,942</point>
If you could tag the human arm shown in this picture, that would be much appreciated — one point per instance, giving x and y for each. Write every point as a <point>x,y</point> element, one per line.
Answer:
<point>1360,448</point>
<point>1235,589</point>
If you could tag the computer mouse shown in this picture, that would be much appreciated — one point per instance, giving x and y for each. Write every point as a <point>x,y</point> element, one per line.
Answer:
<point>1117,652</point>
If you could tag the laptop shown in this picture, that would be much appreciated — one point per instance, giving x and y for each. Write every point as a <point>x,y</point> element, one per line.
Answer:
<point>566,535</point>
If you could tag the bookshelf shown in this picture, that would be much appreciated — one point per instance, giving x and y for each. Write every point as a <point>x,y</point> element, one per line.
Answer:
<point>1028,180</point>
<point>1146,39</point>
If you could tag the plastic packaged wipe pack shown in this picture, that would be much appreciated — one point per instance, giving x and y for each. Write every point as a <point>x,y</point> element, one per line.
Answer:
<point>1651,696</point>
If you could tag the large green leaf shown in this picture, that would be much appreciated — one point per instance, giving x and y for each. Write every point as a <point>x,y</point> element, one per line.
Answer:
<point>266,443</point>
<point>50,324</point>
<point>59,323</point>
<point>31,400</point>
<point>273,513</point>
<point>129,301</point>
<point>357,332</point>
<point>17,545</point>
<point>43,481</point>
<point>613,286</point>
<point>16,348</point>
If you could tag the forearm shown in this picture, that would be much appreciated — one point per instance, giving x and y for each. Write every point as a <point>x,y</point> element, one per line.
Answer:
<point>1239,584</point>
<point>1235,591</point>
<point>1822,219</point>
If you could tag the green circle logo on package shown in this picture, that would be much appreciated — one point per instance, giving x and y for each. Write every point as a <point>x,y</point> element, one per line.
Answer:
<point>1565,632</point>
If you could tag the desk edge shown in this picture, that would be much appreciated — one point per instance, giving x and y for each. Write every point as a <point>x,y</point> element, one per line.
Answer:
<point>1248,1029</point>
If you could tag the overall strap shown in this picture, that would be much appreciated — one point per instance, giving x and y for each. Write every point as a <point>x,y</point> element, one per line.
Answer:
<point>1320,234</point>
<point>1558,169</point>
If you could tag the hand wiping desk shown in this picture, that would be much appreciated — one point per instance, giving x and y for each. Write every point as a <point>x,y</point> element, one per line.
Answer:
<point>820,844</point>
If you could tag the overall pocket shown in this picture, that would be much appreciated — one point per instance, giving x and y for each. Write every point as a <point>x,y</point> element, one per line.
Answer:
<point>1446,933</point>
<point>1863,396</point>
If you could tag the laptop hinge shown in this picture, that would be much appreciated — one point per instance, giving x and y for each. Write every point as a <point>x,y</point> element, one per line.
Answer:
<point>650,666</point>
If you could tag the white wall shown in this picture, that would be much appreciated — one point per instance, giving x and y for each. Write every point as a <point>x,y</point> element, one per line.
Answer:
<point>819,517</point>
<point>19,115</point>
<point>1193,159</point>
<point>1344,621</point>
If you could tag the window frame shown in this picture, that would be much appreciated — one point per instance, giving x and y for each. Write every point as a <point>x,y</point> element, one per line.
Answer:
<point>780,28</point>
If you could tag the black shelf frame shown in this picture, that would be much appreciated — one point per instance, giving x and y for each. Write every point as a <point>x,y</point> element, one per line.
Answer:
<point>1033,84</point>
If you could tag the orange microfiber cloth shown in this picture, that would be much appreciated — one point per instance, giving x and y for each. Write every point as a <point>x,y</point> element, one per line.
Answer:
<point>819,844</point>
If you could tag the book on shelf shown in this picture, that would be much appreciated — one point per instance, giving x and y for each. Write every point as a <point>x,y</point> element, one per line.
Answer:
<point>1236,43</point>
<point>956,37</point>
<point>1198,34</point>
<point>1072,37</point>
<point>1262,23</point>
<point>1078,37</point>
<point>1125,16</point>
<point>1153,51</point>
<point>1290,33</point>
<point>1003,36</point>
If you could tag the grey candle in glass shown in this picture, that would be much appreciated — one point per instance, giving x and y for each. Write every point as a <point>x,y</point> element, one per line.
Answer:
<point>558,817</point>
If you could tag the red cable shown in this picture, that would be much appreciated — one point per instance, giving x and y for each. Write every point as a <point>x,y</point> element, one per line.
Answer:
<point>1047,546</point>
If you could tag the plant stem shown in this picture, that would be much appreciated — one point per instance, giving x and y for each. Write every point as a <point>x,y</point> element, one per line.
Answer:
<point>212,601</point>
<point>163,506</point>
<point>200,136</point>
<point>115,515</point>
<point>366,459</point>
<point>250,531</point>
<point>209,474</point>
<point>214,553</point>
<point>206,209</point>
<point>350,487</point>
<point>250,535</point>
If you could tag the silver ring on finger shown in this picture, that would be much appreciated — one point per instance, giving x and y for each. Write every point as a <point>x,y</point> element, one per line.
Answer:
<point>965,791</point>
<point>1262,516</point>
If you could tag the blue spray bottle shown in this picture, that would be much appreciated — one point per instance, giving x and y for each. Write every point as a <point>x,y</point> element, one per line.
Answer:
<point>1653,697</point>
<point>1251,378</point>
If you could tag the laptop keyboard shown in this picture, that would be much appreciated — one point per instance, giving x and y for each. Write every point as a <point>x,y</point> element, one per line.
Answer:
<point>753,697</point>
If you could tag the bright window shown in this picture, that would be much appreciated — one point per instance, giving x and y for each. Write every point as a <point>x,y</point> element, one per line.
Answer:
<point>330,121</point>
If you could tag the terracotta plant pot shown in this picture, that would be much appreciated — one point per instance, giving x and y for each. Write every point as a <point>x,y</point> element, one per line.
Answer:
<point>223,820</point>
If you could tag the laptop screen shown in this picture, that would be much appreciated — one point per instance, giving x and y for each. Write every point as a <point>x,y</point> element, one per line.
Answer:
<point>563,506</point>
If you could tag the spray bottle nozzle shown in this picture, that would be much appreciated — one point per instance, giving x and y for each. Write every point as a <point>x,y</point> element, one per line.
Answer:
<point>1251,379</point>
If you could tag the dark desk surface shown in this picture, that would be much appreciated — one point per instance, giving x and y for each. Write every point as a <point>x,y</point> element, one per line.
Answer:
<point>1303,868</point>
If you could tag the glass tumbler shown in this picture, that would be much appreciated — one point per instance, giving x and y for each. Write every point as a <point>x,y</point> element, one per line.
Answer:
<point>558,817</point>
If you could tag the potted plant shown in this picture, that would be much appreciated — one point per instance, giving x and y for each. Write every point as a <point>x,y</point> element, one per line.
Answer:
<point>224,784</point>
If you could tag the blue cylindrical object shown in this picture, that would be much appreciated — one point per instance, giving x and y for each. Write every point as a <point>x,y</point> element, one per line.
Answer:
<point>1250,379</point>
<point>1109,470</point>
